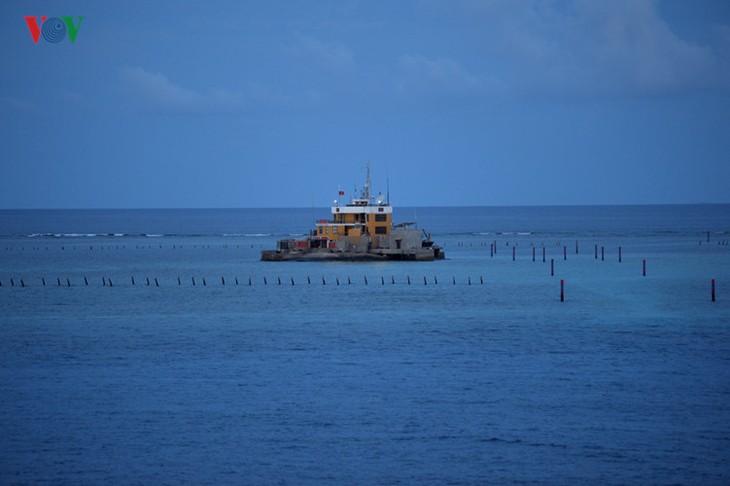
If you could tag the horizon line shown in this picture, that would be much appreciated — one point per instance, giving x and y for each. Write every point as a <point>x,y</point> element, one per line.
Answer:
<point>183,208</point>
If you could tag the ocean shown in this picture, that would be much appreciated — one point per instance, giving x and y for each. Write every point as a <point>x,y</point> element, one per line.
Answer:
<point>153,347</point>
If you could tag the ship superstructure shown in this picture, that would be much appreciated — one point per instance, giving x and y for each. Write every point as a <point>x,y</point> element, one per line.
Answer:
<point>360,230</point>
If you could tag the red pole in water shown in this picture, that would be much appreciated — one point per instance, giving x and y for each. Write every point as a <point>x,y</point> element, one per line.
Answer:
<point>644,268</point>
<point>713,290</point>
<point>562,290</point>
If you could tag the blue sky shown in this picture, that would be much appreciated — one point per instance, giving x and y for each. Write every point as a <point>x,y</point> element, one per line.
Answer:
<point>275,104</point>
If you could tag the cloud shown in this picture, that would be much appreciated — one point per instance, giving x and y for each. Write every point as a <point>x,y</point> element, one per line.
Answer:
<point>445,75</point>
<point>631,47</point>
<point>419,75</point>
<point>331,58</point>
<point>160,94</point>
<point>590,47</point>
<point>23,106</point>
<point>722,34</point>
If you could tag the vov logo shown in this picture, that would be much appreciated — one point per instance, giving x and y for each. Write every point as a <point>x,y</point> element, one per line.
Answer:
<point>54,29</point>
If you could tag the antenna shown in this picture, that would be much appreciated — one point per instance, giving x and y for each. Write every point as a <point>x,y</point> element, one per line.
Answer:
<point>387,188</point>
<point>366,187</point>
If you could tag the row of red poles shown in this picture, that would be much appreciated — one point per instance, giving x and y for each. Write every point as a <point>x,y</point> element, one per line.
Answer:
<point>562,289</point>
<point>124,247</point>
<point>493,251</point>
<point>107,281</point>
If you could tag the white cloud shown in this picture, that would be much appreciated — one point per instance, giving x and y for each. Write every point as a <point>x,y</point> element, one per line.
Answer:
<point>440,73</point>
<point>722,34</point>
<point>420,75</point>
<point>590,47</point>
<point>331,58</point>
<point>22,105</point>
<point>631,41</point>
<point>160,94</point>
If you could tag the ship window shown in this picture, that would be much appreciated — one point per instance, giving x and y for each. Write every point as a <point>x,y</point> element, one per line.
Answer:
<point>381,218</point>
<point>381,230</point>
<point>334,230</point>
<point>326,230</point>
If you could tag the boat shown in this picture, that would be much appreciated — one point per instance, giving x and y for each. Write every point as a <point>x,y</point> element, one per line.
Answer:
<point>361,230</point>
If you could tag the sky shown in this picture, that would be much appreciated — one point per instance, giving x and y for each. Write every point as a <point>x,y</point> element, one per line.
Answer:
<point>281,103</point>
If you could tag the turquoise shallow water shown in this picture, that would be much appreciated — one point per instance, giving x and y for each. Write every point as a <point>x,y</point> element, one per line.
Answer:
<point>488,379</point>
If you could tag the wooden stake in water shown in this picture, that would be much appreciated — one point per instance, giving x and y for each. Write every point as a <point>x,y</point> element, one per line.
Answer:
<point>619,254</point>
<point>713,290</point>
<point>643,266</point>
<point>562,290</point>
<point>552,267</point>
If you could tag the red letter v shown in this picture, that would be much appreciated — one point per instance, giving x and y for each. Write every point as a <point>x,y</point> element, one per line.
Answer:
<point>35,30</point>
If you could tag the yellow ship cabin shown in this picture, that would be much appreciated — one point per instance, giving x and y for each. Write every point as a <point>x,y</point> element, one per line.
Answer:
<point>363,217</point>
<point>362,229</point>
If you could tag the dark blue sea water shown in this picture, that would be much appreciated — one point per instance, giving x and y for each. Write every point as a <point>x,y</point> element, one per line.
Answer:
<point>474,372</point>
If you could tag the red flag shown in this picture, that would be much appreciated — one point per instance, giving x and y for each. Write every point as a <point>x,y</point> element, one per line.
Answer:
<point>342,193</point>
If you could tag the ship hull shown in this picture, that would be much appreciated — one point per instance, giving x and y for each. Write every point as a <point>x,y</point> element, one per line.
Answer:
<point>423,254</point>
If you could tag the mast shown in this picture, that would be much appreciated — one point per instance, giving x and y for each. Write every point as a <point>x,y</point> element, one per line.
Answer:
<point>387,185</point>
<point>366,187</point>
